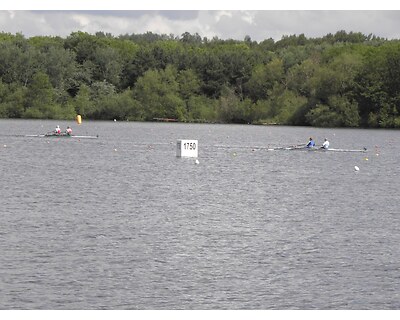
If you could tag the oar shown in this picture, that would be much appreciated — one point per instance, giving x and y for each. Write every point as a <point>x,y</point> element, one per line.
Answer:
<point>298,146</point>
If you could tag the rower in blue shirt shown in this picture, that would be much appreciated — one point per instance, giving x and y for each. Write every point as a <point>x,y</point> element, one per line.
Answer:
<point>310,143</point>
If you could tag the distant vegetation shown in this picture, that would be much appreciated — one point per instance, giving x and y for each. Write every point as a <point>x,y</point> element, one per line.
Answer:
<point>339,80</point>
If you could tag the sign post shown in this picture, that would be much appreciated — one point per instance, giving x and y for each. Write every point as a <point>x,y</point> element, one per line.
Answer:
<point>187,148</point>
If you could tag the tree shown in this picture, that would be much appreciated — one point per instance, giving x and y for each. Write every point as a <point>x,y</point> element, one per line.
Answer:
<point>231,109</point>
<point>299,77</point>
<point>60,66</point>
<point>189,83</point>
<point>192,39</point>
<point>341,79</point>
<point>158,93</point>
<point>83,44</point>
<point>211,70</point>
<point>293,55</point>
<point>202,109</point>
<point>287,106</point>
<point>18,61</point>
<point>82,102</point>
<point>378,86</point>
<point>12,101</point>
<point>339,112</point>
<point>108,65</point>
<point>263,79</point>
<point>40,101</point>
<point>119,106</point>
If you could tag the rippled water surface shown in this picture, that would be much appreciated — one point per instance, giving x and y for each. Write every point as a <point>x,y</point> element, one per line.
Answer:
<point>120,222</point>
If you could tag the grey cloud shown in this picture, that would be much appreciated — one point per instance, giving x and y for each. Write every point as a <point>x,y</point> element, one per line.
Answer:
<point>169,14</point>
<point>179,15</point>
<point>259,25</point>
<point>275,24</point>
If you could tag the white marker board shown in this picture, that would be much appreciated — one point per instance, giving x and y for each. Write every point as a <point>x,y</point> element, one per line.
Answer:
<point>187,148</point>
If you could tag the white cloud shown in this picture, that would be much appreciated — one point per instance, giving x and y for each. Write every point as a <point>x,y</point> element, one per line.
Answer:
<point>197,5</point>
<point>248,16</point>
<point>221,15</point>
<point>82,20</point>
<point>258,24</point>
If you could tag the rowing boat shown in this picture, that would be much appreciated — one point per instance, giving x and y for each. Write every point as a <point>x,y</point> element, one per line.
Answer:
<point>318,149</point>
<point>292,147</point>
<point>343,150</point>
<point>62,135</point>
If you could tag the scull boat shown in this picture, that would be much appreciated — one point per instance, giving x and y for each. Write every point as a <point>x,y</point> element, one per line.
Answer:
<point>342,150</point>
<point>318,149</point>
<point>290,148</point>
<point>62,135</point>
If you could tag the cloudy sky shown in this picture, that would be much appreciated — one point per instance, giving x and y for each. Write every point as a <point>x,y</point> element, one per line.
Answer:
<point>226,20</point>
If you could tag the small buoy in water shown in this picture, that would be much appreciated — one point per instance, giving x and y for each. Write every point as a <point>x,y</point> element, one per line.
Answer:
<point>197,161</point>
<point>5,146</point>
<point>366,159</point>
<point>356,168</point>
<point>115,120</point>
<point>115,149</point>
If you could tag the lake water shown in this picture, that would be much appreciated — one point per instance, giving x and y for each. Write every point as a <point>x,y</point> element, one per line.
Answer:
<point>120,222</point>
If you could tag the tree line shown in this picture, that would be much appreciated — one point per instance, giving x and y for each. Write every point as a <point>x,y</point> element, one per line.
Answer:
<point>339,80</point>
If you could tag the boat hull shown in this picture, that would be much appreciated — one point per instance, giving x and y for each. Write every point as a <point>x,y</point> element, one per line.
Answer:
<point>326,150</point>
<point>61,136</point>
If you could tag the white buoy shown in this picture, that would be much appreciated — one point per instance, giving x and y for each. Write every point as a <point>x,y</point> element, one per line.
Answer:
<point>187,148</point>
<point>197,161</point>
<point>356,168</point>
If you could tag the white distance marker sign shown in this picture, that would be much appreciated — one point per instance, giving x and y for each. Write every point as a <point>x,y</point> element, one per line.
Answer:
<point>187,148</point>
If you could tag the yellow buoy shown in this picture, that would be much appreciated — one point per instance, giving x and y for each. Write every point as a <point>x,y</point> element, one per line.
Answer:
<point>78,119</point>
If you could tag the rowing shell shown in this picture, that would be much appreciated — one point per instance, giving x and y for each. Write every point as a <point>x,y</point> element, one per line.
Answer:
<point>319,149</point>
<point>60,136</point>
<point>344,150</point>
<point>296,147</point>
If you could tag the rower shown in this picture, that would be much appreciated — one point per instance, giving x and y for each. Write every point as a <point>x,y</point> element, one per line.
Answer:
<point>68,131</point>
<point>310,143</point>
<point>57,130</point>
<point>325,145</point>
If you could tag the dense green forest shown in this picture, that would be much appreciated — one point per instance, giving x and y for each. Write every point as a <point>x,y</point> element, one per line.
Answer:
<point>339,80</point>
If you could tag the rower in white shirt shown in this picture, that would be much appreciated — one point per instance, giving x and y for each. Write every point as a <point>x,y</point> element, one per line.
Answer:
<point>325,145</point>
